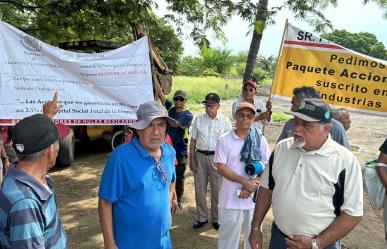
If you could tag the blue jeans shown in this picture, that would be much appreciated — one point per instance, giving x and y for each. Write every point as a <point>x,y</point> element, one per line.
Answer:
<point>277,240</point>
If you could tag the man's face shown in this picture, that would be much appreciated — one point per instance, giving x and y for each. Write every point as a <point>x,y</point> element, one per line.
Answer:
<point>345,120</point>
<point>310,135</point>
<point>179,101</point>
<point>212,109</point>
<point>244,119</point>
<point>153,136</point>
<point>248,92</point>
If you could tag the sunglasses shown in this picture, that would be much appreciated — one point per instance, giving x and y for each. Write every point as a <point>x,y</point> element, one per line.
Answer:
<point>181,99</point>
<point>163,173</point>
<point>249,89</point>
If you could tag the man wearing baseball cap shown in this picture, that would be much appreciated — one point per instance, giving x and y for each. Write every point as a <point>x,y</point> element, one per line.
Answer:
<point>263,112</point>
<point>29,217</point>
<point>137,192</point>
<point>179,134</point>
<point>234,151</point>
<point>313,184</point>
<point>205,131</point>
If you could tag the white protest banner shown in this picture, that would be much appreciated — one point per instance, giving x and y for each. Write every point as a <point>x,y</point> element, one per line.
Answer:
<point>342,76</point>
<point>96,89</point>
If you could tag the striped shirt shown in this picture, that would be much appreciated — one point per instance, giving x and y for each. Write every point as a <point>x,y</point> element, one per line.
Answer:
<point>28,213</point>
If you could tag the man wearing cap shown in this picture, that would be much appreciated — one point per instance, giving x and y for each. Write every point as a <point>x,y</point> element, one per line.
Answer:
<point>263,112</point>
<point>29,217</point>
<point>205,131</point>
<point>299,93</point>
<point>179,135</point>
<point>236,204</point>
<point>137,192</point>
<point>313,184</point>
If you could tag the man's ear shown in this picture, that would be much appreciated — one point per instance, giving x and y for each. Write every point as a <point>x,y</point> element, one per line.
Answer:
<point>327,127</point>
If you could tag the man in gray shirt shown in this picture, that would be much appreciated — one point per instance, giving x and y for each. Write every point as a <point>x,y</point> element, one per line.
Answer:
<point>299,93</point>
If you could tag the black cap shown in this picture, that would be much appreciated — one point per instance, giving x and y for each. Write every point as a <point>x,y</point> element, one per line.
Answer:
<point>313,110</point>
<point>211,98</point>
<point>33,134</point>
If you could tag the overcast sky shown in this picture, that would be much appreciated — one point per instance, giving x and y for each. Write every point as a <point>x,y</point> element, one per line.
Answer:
<point>350,15</point>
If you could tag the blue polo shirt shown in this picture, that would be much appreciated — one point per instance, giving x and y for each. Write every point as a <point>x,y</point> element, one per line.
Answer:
<point>139,194</point>
<point>177,134</point>
<point>28,213</point>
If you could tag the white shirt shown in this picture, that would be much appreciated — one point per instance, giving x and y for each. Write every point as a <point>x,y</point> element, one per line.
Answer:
<point>227,152</point>
<point>206,131</point>
<point>260,107</point>
<point>305,183</point>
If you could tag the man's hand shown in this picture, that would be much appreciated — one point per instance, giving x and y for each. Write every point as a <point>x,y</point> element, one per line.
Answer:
<point>244,194</point>
<point>263,116</point>
<point>251,185</point>
<point>174,206</point>
<point>268,105</point>
<point>193,167</point>
<point>256,239</point>
<point>50,108</point>
<point>299,242</point>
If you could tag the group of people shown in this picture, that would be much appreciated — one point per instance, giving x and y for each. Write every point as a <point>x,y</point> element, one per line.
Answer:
<point>311,180</point>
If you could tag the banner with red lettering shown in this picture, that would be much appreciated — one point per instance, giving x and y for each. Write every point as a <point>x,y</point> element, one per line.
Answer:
<point>95,88</point>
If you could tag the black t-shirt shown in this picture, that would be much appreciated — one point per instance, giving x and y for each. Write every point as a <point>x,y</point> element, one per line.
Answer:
<point>383,148</point>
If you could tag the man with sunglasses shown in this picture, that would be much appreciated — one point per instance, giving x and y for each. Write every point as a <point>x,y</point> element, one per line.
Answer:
<point>179,135</point>
<point>137,192</point>
<point>236,204</point>
<point>205,131</point>
<point>263,112</point>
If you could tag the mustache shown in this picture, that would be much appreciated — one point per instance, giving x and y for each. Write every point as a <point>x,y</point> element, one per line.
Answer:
<point>297,133</point>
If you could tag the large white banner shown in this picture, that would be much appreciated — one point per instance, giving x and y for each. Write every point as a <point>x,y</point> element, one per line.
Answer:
<point>96,89</point>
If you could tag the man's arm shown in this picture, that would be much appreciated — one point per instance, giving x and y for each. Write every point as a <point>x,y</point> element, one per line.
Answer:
<point>382,171</point>
<point>173,198</point>
<point>192,148</point>
<point>260,211</point>
<point>340,227</point>
<point>160,93</point>
<point>106,221</point>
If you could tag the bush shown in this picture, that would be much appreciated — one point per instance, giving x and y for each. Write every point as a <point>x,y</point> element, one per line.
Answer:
<point>260,75</point>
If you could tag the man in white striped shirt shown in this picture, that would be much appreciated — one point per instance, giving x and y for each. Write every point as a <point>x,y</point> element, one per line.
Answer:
<point>205,131</point>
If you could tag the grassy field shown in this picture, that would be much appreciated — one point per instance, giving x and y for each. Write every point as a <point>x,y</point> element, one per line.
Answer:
<point>198,87</point>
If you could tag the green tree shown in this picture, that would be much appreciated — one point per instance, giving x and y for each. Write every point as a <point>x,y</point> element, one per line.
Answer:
<point>219,60</point>
<point>268,64</point>
<point>190,66</point>
<point>363,42</point>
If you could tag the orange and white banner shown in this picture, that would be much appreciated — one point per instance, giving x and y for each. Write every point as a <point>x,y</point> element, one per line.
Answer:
<point>342,76</point>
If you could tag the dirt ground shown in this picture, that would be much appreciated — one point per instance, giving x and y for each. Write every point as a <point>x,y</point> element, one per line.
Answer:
<point>77,188</point>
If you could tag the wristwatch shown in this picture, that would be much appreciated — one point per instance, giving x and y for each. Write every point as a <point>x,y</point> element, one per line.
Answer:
<point>314,244</point>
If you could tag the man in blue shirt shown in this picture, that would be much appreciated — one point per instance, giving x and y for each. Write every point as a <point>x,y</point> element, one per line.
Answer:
<point>28,211</point>
<point>137,192</point>
<point>179,135</point>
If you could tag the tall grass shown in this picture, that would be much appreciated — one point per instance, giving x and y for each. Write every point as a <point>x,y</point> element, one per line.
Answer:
<point>198,87</point>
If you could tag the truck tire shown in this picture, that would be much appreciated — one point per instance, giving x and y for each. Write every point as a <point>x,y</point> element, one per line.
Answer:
<point>66,150</point>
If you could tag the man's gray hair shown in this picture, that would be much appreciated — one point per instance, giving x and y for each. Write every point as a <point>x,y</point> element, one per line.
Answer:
<point>36,155</point>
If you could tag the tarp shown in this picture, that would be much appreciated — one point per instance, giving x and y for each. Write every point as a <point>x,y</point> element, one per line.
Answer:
<point>342,76</point>
<point>95,88</point>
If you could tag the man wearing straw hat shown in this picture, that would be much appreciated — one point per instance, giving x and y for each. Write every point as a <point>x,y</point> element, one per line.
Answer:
<point>137,192</point>
<point>313,184</point>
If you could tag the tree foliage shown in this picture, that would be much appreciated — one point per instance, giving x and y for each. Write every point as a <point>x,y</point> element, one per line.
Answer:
<point>363,42</point>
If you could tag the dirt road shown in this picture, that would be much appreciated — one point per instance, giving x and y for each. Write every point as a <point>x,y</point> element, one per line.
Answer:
<point>77,188</point>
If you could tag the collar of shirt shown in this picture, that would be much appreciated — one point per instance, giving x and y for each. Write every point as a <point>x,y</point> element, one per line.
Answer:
<point>208,117</point>
<point>30,181</point>
<point>145,154</point>
<point>324,150</point>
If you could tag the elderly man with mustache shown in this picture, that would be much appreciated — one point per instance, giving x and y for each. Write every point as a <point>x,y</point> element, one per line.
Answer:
<point>313,184</point>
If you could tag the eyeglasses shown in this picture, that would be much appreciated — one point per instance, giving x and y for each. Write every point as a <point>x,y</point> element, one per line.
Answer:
<point>243,115</point>
<point>181,99</point>
<point>249,89</point>
<point>162,173</point>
